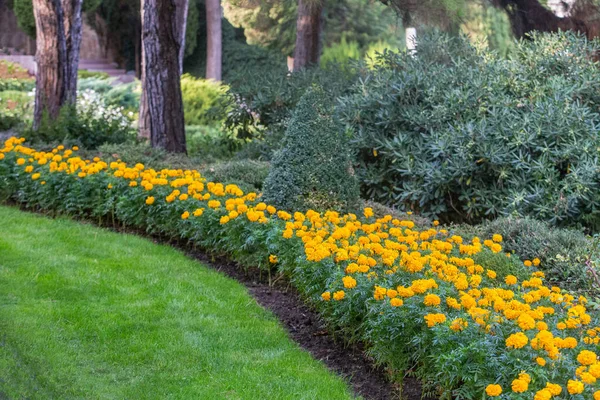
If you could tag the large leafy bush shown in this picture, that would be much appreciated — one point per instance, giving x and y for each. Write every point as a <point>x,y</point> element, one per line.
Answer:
<point>313,168</point>
<point>461,133</point>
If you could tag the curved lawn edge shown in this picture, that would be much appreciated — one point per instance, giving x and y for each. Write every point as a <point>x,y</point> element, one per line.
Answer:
<point>88,312</point>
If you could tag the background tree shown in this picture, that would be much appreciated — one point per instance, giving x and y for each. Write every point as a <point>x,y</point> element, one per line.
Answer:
<point>58,38</point>
<point>308,33</point>
<point>214,38</point>
<point>161,42</point>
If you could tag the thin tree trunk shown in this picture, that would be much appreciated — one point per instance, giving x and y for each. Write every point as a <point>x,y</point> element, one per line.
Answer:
<point>144,117</point>
<point>58,39</point>
<point>162,86</point>
<point>308,33</point>
<point>182,13</point>
<point>214,37</point>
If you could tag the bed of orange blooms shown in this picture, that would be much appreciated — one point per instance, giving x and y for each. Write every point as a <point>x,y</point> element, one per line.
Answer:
<point>469,320</point>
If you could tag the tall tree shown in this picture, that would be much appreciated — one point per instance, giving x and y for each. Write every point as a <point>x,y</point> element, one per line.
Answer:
<point>182,15</point>
<point>58,39</point>
<point>161,85</point>
<point>308,33</point>
<point>214,37</point>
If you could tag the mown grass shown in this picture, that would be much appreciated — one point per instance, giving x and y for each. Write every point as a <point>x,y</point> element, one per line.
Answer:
<point>88,313</point>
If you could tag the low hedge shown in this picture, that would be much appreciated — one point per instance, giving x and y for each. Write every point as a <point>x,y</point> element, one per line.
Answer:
<point>416,297</point>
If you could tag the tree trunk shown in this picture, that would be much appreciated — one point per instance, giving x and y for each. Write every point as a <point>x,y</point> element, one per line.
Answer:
<point>161,85</point>
<point>529,15</point>
<point>144,117</point>
<point>182,13</point>
<point>58,39</point>
<point>308,33</point>
<point>214,46</point>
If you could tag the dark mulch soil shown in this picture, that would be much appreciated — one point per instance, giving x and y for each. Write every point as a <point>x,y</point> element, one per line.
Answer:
<point>304,326</point>
<point>307,329</point>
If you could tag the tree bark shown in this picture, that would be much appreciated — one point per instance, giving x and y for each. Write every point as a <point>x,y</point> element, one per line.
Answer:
<point>144,117</point>
<point>308,33</point>
<point>214,45</point>
<point>161,84</point>
<point>58,39</point>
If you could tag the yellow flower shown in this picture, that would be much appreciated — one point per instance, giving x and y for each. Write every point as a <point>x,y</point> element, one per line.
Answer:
<point>574,386</point>
<point>20,161</point>
<point>35,176</point>
<point>553,388</point>
<point>536,261</point>
<point>497,238</point>
<point>396,302</point>
<point>326,296</point>
<point>597,395</point>
<point>349,282</point>
<point>150,200</point>
<point>493,390</point>
<point>224,219</point>
<point>432,300</point>
<point>540,361</point>
<point>273,259</point>
<point>543,394</point>
<point>339,295</point>
<point>511,280</point>
<point>527,263</point>
<point>29,169</point>
<point>368,212</point>
<point>517,340</point>
<point>519,386</point>
<point>434,319</point>
<point>198,212</point>
<point>185,215</point>
<point>586,357</point>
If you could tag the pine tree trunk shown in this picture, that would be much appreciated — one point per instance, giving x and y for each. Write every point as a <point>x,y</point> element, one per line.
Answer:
<point>214,49</point>
<point>58,39</point>
<point>162,86</point>
<point>308,33</point>
<point>144,116</point>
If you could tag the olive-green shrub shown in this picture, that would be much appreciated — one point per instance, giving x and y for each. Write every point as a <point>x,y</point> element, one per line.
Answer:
<point>313,168</point>
<point>461,134</point>
<point>563,252</point>
<point>204,102</point>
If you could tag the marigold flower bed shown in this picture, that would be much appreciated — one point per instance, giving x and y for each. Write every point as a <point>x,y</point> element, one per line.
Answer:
<point>417,297</point>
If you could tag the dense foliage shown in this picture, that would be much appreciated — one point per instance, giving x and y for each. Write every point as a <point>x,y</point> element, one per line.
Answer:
<point>265,100</point>
<point>416,296</point>
<point>204,101</point>
<point>313,169</point>
<point>460,133</point>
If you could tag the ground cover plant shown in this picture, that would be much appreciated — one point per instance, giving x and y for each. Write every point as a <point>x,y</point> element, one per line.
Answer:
<point>87,313</point>
<point>416,296</point>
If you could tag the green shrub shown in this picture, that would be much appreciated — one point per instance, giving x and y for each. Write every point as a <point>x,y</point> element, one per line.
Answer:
<point>126,95</point>
<point>15,109</point>
<point>341,52</point>
<point>265,100</point>
<point>462,134</point>
<point>204,102</point>
<point>562,252</point>
<point>90,124</point>
<point>249,175</point>
<point>84,74</point>
<point>210,144</point>
<point>21,85</point>
<point>313,169</point>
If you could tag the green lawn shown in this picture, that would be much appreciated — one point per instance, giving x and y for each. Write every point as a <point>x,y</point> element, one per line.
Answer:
<point>87,313</point>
